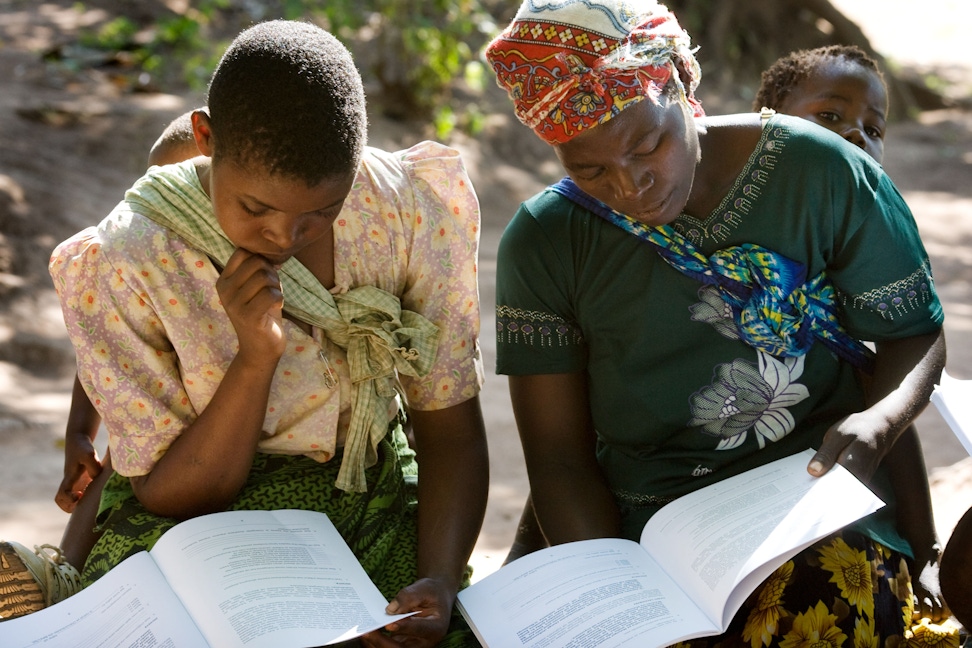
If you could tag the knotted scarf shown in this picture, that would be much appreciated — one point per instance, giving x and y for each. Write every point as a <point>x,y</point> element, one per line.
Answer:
<point>569,65</point>
<point>774,308</point>
<point>380,337</point>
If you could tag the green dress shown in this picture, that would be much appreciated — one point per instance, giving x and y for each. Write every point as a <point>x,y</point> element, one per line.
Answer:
<point>677,400</point>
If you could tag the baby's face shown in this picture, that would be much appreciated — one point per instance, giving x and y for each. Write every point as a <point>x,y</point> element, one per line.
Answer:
<point>846,98</point>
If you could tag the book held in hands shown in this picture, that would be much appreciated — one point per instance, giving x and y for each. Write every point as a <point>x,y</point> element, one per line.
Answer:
<point>259,579</point>
<point>699,558</point>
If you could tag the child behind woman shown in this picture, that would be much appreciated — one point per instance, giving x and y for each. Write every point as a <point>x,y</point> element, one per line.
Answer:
<point>842,89</point>
<point>838,87</point>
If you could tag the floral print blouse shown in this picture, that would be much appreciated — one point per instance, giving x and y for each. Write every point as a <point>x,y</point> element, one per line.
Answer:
<point>153,341</point>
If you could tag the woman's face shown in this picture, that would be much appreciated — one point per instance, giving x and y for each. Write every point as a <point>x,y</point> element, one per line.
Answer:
<point>641,162</point>
<point>273,216</point>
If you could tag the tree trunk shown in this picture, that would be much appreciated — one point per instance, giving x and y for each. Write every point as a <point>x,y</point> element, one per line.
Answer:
<point>738,39</point>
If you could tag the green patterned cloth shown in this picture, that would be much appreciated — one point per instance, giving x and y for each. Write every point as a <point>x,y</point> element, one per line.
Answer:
<point>379,525</point>
<point>379,336</point>
<point>678,399</point>
<point>774,307</point>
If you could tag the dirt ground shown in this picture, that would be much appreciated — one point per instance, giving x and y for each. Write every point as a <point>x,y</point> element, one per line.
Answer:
<point>71,141</point>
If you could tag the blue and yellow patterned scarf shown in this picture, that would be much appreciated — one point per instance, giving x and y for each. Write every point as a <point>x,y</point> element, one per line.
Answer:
<point>774,307</point>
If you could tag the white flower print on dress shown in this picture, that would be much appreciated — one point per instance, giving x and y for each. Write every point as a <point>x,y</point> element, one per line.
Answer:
<point>744,396</point>
<point>712,309</point>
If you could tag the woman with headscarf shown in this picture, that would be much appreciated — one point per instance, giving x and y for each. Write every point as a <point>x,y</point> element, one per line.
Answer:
<point>691,301</point>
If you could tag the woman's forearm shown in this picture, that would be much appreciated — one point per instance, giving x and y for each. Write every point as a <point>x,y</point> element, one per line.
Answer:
<point>206,466</point>
<point>570,495</point>
<point>574,506</point>
<point>83,419</point>
<point>904,377</point>
<point>453,485</point>
<point>905,374</point>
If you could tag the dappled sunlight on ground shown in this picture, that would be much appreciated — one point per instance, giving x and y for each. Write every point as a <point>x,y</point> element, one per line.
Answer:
<point>72,175</point>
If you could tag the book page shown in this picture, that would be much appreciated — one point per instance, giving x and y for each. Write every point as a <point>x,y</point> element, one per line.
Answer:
<point>607,593</point>
<point>270,579</point>
<point>953,398</point>
<point>129,607</point>
<point>722,541</point>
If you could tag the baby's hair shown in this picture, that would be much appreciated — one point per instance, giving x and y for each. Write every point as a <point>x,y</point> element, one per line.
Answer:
<point>176,143</point>
<point>286,95</point>
<point>779,79</point>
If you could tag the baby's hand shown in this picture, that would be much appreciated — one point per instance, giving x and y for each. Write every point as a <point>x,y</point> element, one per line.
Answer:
<point>929,603</point>
<point>81,465</point>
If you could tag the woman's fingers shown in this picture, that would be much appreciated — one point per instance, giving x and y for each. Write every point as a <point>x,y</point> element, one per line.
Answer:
<point>250,291</point>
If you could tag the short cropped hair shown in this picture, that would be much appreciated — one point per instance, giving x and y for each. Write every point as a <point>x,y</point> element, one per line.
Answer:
<point>176,143</point>
<point>286,95</point>
<point>779,79</point>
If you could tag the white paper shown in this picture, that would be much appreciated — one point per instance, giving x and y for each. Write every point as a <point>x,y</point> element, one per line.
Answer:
<point>131,606</point>
<point>253,579</point>
<point>607,588</point>
<point>273,578</point>
<point>953,398</point>
<point>724,540</point>
<point>699,558</point>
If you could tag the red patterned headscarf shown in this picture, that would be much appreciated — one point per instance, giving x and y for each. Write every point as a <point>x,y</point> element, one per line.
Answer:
<point>569,65</point>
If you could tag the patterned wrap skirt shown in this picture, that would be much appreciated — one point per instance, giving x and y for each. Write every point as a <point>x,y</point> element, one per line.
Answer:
<point>845,591</point>
<point>380,525</point>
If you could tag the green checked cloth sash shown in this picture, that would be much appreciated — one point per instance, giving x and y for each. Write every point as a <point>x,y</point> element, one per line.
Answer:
<point>369,323</point>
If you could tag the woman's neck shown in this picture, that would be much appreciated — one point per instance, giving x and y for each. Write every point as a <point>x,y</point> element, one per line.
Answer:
<point>726,144</point>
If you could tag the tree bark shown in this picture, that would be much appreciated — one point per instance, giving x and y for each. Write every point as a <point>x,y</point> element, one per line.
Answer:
<point>738,39</point>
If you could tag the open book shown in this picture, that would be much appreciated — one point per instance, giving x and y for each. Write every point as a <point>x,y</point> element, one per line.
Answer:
<point>261,579</point>
<point>699,558</point>
<point>953,398</point>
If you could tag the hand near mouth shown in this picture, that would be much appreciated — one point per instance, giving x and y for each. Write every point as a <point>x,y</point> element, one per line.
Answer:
<point>251,293</point>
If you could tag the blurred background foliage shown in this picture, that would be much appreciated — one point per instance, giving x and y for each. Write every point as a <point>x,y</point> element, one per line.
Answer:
<point>422,56</point>
<point>422,59</point>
